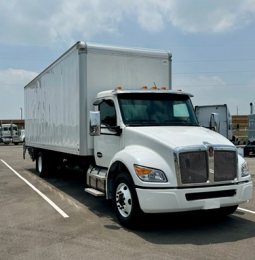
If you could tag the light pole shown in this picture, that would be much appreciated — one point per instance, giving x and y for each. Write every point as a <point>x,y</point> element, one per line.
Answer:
<point>21,112</point>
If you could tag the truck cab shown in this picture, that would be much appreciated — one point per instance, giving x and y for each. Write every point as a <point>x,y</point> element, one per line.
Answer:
<point>9,134</point>
<point>152,156</point>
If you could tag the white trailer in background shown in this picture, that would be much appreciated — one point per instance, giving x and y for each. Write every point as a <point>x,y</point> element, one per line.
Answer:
<point>251,128</point>
<point>249,149</point>
<point>203,114</point>
<point>139,146</point>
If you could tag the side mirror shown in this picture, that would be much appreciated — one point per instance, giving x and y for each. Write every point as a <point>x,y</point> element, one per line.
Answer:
<point>215,122</point>
<point>94,123</point>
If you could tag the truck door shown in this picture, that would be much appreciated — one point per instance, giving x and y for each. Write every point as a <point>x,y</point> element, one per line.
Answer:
<point>108,143</point>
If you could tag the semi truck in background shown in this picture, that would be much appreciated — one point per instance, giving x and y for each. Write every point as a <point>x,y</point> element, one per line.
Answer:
<point>9,133</point>
<point>203,114</point>
<point>111,112</point>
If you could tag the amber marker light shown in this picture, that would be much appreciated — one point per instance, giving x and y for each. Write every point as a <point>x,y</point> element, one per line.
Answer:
<point>119,87</point>
<point>164,88</point>
<point>142,171</point>
<point>149,174</point>
<point>145,87</point>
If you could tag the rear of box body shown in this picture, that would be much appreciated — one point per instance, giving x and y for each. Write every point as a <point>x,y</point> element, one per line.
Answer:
<point>203,114</point>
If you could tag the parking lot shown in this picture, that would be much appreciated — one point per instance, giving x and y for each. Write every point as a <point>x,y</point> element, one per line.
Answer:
<point>54,218</point>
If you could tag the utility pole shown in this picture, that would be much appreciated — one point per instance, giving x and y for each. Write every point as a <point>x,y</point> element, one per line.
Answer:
<point>21,112</point>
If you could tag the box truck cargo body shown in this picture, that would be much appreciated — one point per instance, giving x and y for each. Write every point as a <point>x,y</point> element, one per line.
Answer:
<point>58,101</point>
<point>111,111</point>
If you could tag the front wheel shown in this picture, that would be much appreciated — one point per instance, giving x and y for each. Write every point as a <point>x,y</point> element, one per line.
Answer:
<point>225,211</point>
<point>125,201</point>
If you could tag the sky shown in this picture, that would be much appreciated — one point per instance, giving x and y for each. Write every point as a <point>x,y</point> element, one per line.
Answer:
<point>212,43</point>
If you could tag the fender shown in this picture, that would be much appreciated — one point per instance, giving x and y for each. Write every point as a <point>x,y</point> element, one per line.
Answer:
<point>136,154</point>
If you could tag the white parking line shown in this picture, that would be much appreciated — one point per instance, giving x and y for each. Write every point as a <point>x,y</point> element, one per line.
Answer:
<point>60,211</point>
<point>252,212</point>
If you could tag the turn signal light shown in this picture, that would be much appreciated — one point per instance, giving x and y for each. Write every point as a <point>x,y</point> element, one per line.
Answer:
<point>142,171</point>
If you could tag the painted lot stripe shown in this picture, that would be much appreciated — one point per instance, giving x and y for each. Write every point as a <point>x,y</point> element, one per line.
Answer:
<point>246,210</point>
<point>60,211</point>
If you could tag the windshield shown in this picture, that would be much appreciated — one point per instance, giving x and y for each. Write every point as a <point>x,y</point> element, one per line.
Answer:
<point>160,109</point>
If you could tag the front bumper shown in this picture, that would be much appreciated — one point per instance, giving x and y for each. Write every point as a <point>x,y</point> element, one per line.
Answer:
<point>6,140</point>
<point>178,200</point>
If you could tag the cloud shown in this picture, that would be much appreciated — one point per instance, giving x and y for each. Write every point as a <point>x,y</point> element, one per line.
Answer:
<point>12,84</point>
<point>215,16</point>
<point>12,80</point>
<point>62,20</point>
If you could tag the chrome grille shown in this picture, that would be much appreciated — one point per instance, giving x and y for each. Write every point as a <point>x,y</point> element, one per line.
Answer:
<point>225,165</point>
<point>193,167</point>
<point>206,165</point>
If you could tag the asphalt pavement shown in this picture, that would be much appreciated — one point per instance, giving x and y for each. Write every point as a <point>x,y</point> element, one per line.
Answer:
<point>33,226</point>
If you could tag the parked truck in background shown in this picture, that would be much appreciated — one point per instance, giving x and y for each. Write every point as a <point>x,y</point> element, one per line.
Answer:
<point>22,135</point>
<point>111,111</point>
<point>9,134</point>
<point>249,149</point>
<point>203,114</point>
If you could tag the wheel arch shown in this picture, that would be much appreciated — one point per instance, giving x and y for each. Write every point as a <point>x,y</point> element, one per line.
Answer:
<point>116,168</point>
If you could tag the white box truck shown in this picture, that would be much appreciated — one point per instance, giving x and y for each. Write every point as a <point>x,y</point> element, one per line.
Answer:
<point>139,146</point>
<point>203,114</point>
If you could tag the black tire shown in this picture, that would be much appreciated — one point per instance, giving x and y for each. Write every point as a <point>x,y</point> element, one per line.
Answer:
<point>16,143</point>
<point>125,201</point>
<point>227,210</point>
<point>42,164</point>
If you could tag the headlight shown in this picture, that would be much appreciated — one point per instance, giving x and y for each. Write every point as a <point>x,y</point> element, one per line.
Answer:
<point>150,174</point>
<point>245,169</point>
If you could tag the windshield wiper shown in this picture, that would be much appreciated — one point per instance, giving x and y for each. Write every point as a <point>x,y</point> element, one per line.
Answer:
<point>143,121</point>
<point>184,122</point>
<point>176,120</point>
<point>140,120</point>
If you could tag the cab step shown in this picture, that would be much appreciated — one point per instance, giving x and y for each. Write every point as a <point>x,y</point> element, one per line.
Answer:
<point>95,192</point>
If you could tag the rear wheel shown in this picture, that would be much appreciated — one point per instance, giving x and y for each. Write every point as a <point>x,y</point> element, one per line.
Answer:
<point>125,201</point>
<point>42,164</point>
